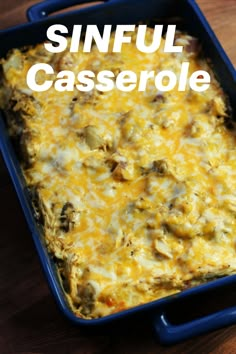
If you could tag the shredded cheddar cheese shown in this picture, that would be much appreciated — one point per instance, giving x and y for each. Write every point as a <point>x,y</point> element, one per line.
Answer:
<point>136,191</point>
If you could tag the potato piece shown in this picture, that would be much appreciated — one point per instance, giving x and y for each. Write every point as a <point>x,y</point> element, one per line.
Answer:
<point>162,248</point>
<point>183,230</point>
<point>93,140</point>
<point>122,170</point>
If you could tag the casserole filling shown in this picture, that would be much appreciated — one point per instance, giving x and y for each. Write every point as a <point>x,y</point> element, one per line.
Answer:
<point>136,191</point>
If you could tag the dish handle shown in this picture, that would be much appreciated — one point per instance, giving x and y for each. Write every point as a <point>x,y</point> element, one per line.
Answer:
<point>45,8</point>
<point>169,333</point>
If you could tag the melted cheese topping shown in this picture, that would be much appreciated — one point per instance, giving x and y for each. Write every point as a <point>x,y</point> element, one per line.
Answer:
<point>136,191</point>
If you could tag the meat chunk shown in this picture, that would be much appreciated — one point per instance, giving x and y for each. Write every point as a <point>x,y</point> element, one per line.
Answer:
<point>193,48</point>
<point>160,167</point>
<point>67,217</point>
<point>33,191</point>
<point>86,298</point>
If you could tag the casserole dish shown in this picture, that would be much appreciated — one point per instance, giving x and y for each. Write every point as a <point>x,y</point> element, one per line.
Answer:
<point>33,227</point>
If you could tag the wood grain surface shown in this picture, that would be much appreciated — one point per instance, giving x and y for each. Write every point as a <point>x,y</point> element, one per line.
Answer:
<point>30,321</point>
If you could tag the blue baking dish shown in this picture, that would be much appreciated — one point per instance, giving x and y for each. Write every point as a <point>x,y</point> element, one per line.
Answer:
<point>187,15</point>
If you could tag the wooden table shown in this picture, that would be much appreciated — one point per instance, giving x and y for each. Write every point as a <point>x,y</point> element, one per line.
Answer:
<point>29,319</point>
